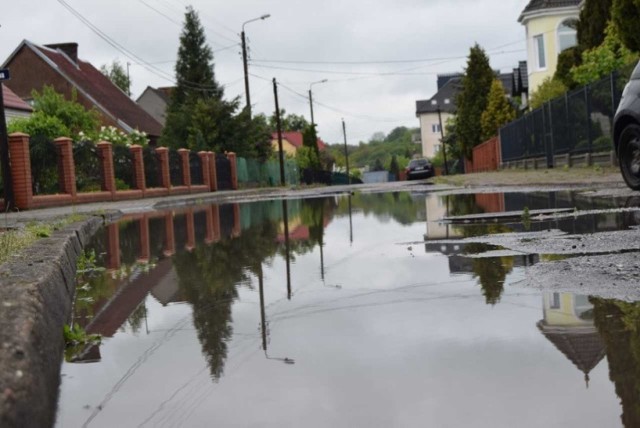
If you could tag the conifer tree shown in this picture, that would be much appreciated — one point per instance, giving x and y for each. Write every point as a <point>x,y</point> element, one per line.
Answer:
<point>472,100</point>
<point>593,20</point>
<point>626,15</point>
<point>498,112</point>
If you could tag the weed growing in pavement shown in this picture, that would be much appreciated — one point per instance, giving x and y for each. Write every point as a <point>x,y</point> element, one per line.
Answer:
<point>526,218</point>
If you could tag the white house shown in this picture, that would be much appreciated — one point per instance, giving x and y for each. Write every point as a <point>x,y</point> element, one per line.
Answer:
<point>550,27</point>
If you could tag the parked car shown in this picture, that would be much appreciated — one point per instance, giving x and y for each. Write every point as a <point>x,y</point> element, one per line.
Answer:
<point>626,131</point>
<point>419,168</point>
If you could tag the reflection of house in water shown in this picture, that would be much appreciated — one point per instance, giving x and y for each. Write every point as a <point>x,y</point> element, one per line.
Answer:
<point>167,290</point>
<point>436,210</point>
<point>568,324</point>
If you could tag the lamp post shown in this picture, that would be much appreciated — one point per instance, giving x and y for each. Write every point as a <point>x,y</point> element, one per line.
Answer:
<point>444,147</point>
<point>244,59</point>
<point>311,97</point>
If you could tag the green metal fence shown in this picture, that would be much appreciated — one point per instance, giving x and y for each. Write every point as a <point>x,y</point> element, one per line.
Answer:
<point>254,173</point>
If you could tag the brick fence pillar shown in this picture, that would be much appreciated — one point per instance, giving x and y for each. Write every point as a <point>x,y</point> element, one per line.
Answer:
<point>21,170</point>
<point>191,231</point>
<point>169,236</point>
<point>237,226</point>
<point>215,214</point>
<point>212,171</point>
<point>113,246</point>
<point>138,167</point>
<point>105,151</point>
<point>163,160</point>
<point>186,169</point>
<point>204,164</point>
<point>234,170</point>
<point>66,166</point>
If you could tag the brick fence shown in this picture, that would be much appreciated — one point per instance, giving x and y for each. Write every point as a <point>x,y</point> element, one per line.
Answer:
<point>20,164</point>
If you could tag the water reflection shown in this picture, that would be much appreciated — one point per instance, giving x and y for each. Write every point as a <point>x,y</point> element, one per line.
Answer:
<point>210,261</point>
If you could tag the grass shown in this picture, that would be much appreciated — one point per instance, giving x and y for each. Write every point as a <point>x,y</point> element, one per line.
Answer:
<point>13,241</point>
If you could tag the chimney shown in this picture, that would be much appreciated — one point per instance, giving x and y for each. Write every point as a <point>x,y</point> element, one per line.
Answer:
<point>70,49</point>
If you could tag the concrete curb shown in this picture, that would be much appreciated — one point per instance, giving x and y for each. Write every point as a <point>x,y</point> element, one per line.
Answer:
<point>36,293</point>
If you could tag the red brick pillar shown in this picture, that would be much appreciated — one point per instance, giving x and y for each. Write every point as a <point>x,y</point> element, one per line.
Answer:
<point>209,234</point>
<point>215,214</point>
<point>237,226</point>
<point>191,231</point>
<point>145,247</point>
<point>113,246</point>
<point>212,171</point>
<point>186,169</point>
<point>105,151</point>
<point>234,170</point>
<point>204,163</point>
<point>66,166</point>
<point>170,239</point>
<point>21,170</point>
<point>163,161</point>
<point>138,167</point>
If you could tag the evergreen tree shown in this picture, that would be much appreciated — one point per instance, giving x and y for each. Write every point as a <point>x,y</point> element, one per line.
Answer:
<point>593,20</point>
<point>118,76</point>
<point>626,15</point>
<point>394,168</point>
<point>472,99</point>
<point>498,112</point>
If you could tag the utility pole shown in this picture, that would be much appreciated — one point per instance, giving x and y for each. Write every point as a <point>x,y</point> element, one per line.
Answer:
<point>128,80</point>
<point>244,59</point>
<point>311,98</point>
<point>279,125</point>
<point>444,147</point>
<point>287,246</point>
<point>346,152</point>
<point>9,201</point>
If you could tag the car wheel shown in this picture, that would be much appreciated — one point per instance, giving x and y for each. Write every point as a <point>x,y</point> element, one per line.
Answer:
<point>629,155</point>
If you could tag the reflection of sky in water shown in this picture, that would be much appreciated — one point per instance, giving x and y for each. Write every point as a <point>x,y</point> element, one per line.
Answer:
<point>401,343</point>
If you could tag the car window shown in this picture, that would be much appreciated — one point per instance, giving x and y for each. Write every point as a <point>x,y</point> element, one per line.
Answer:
<point>418,162</point>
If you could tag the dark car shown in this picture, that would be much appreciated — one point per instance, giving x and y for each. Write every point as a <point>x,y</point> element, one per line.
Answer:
<point>419,168</point>
<point>626,131</point>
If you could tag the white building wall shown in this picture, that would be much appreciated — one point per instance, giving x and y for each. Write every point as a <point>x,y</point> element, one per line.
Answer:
<point>430,133</point>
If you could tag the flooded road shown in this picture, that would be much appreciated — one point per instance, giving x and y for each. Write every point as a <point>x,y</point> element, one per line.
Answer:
<point>345,311</point>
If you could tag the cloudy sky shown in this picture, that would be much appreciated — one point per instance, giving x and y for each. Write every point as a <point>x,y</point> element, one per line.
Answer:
<point>379,56</point>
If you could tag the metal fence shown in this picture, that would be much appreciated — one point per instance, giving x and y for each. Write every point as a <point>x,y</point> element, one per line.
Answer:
<point>581,121</point>
<point>256,173</point>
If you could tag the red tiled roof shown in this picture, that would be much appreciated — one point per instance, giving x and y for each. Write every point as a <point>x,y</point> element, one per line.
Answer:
<point>295,138</point>
<point>12,101</point>
<point>91,81</point>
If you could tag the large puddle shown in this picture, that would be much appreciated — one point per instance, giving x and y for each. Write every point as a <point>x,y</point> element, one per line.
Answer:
<point>312,313</point>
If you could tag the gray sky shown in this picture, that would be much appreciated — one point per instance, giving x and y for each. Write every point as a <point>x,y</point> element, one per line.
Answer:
<point>312,35</point>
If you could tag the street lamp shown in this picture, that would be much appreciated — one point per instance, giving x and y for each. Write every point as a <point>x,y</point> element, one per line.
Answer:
<point>244,59</point>
<point>311,97</point>
<point>444,147</point>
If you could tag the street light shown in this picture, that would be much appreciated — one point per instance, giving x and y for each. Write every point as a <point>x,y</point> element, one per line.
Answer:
<point>311,97</point>
<point>244,58</point>
<point>444,147</point>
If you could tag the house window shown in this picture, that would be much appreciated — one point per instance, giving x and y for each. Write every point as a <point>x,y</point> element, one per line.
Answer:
<point>437,148</point>
<point>538,44</point>
<point>435,128</point>
<point>555,301</point>
<point>567,34</point>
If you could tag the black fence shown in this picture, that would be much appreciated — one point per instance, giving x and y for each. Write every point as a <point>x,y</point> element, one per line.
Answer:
<point>223,172</point>
<point>579,122</point>
<point>195,167</point>
<point>123,167</point>
<point>175,168</point>
<point>87,166</point>
<point>151,167</point>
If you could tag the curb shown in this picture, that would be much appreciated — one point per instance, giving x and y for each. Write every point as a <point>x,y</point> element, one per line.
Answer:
<point>36,294</point>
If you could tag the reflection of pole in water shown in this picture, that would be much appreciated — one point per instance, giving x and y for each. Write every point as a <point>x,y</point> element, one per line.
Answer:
<point>263,318</point>
<point>322,242</point>
<point>285,218</point>
<point>350,221</point>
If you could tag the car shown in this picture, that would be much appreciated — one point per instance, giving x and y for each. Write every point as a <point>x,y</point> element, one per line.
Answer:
<point>626,131</point>
<point>419,168</point>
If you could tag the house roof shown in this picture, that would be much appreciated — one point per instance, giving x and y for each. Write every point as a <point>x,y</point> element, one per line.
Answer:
<point>540,5</point>
<point>295,138</point>
<point>107,97</point>
<point>12,101</point>
<point>163,93</point>
<point>520,79</point>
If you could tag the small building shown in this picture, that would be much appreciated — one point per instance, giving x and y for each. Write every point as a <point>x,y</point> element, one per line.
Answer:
<point>33,67</point>
<point>550,27</point>
<point>291,142</point>
<point>155,101</point>
<point>14,106</point>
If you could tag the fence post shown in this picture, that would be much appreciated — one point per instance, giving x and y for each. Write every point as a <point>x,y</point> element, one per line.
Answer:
<point>163,158</point>
<point>66,166</point>
<point>138,168</point>
<point>588,105</point>
<point>234,170</point>
<point>186,169</point>
<point>21,170</point>
<point>105,151</point>
<point>213,172</point>
<point>204,165</point>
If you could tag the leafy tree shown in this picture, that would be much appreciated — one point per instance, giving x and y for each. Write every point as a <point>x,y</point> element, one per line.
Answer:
<point>377,136</point>
<point>472,99</point>
<point>594,16</point>
<point>118,76</point>
<point>567,60</point>
<point>603,59</point>
<point>398,134</point>
<point>549,89</point>
<point>289,122</point>
<point>626,15</point>
<point>498,112</point>
<point>394,168</point>
<point>377,166</point>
